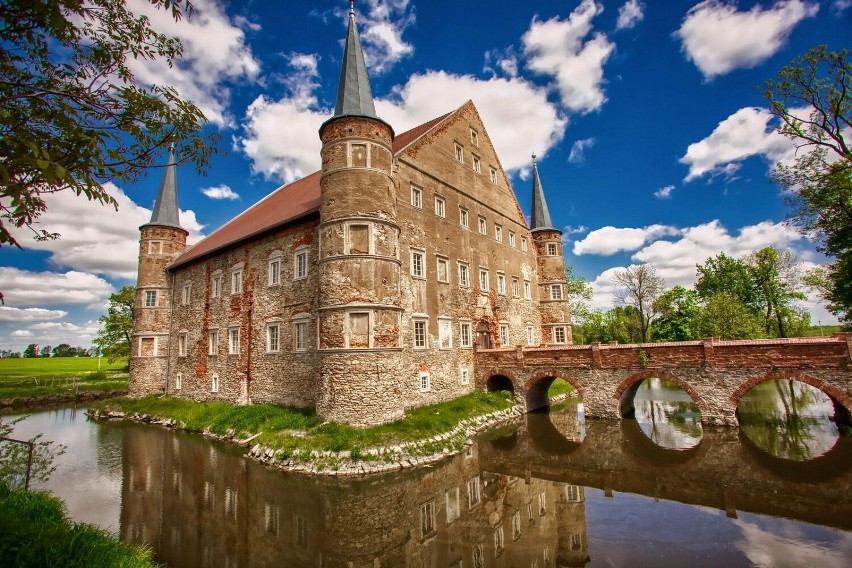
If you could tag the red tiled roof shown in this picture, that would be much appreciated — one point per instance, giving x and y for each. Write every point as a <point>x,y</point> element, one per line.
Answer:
<point>284,205</point>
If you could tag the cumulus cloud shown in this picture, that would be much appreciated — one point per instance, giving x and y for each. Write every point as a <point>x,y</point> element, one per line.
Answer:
<point>743,134</point>
<point>578,149</point>
<point>27,288</point>
<point>501,62</point>
<point>607,241</point>
<point>664,192</point>
<point>561,48</point>
<point>220,192</point>
<point>630,14</point>
<point>8,313</point>
<point>215,55</point>
<point>381,27</point>
<point>97,238</point>
<point>22,333</point>
<point>64,332</point>
<point>718,38</point>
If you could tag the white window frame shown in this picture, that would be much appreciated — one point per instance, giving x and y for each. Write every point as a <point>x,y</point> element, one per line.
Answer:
<point>560,335</point>
<point>516,287</point>
<point>440,206</point>
<point>542,504</point>
<point>178,381</point>
<point>464,275</point>
<point>214,383</point>
<point>524,246</point>
<point>213,342</point>
<point>186,296</point>
<point>442,261</point>
<point>273,338</point>
<point>493,175</point>
<point>182,339</point>
<point>504,334</point>
<point>501,284</point>
<point>465,340</point>
<point>418,264</point>
<point>216,285</point>
<point>552,249</point>
<point>530,335</point>
<point>274,271</point>
<point>516,525</point>
<point>556,292</point>
<point>512,239</point>
<point>427,518</point>
<point>463,217</point>
<point>300,334</point>
<point>484,280</point>
<point>474,137</point>
<point>416,196</point>
<point>499,541</point>
<point>151,298</point>
<point>445,333</point>
<point>464,376</point>
<point>233,341</point>
<point>473,496</point>
<point>424,381</point>
<point>477,166</point>
<point>527,290</point>
<point>482,225</point>
<point>498,232</point>
<point>459,152</point>
<point>237,281</point>
<point>350,153</point>
<point>300,264</point>
<point>419,341</point>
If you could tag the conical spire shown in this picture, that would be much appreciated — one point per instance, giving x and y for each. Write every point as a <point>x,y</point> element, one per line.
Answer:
<point>353,92</point>
<point>540,214</point>
<point>166,208</point>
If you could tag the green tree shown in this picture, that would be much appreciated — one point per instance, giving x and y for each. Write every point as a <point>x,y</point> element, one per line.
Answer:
<point>812,97</point>
<point>678,309</point>
<point>726,316</point>
<point>117,325</point>
<point>31,351</point>
<point>640,286</point>
<point>727,274</point>
<point>579,294</point>
<point>621,324</point>
<point>72,115</point>
<point>777,278</point>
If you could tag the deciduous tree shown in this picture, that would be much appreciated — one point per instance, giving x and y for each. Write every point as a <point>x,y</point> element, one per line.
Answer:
<point>640,288</point>
<point>678,309</point>
<point>117,325</point>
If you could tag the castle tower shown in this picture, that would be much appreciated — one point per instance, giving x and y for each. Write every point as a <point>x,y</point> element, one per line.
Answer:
<point>553,301</point>
<point>359,310</point>
<point>162,240</point>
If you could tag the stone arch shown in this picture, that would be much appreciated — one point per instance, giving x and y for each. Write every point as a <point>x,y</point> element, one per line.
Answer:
<point>497,379</point>
<point>536,387</point>
<point>841,400</point>
<point>628,387</point>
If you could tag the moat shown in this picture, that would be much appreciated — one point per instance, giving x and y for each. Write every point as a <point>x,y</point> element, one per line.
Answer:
<point>552,489</point>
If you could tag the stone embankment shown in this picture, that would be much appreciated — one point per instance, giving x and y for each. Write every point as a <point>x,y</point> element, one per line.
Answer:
<point>368,461</point>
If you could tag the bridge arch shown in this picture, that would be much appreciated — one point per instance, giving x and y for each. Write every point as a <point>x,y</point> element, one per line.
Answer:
<point>841,400</point>
<point>536,387</point>
<point>625,391</point>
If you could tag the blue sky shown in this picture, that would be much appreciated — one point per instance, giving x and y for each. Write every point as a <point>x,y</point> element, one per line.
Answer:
<point>653,137</point>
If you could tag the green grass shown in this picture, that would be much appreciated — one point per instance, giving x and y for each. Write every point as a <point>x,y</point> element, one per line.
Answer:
<point>559,386</point>
<point>301,430</point>
<point>826,331</point>
<point>57,366</point>
<point>35,531</point>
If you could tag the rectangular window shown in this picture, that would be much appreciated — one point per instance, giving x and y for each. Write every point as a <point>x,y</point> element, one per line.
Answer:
<point>273,336</point>
<point>214,383</point>
<point>559,335</point>
<point>465,376</point>
<point>234,341</point>
<point>359,330</point>
<point>504,334</point>
<point>155,247</point>
<point>236,282</point>
<point>427,518</point>
<point>483,229</point>
<point>425,383</point>
<point>551,249</point>
<point>483,280</point>
<point>453,509</point>
<point>523,244</point>
<point>530,335</point>
<point>301,531</point>
<point>419,334</point>
<point>498,233</point>
<point>572,493</point>
<point>182,345</point>
<point>493,175</point>
<point>459,153</point>
<point>465,334</point>
<point>472,492</point>
<point>358,155</point>
<point>275,272</point>
<point>556,291</point>
<point>542,503</point>
<point>463,217</point>
<point>418,269</point>
<point>213,342</point>
<point>516,287</point>
<point>300,265</point>
<point>474,137</point>
<point>516,525</point>
<point>511,239</point>
<point>443,269</point>
<point>272,518</point>
<point>150,298</point>
<point>440,207</point>
<point>216,286</point>
<point>445,333</point>
<point>527,290</point>
<point>498,541</point>
<point>477,167</point>
<point>416,197</point>
<point>178,381</point>
<point>359,239</point>
<point>501,284</point>
<point>187,294</point>
<point>301,334</point>
<point>464,275</point>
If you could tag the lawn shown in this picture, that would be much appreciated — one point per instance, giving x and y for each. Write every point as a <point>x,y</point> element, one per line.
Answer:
<point>26,378</point>
<point>57,366</point>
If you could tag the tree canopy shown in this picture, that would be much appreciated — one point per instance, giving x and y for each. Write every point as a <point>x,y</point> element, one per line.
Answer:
<point>640,286</point>
<point>117,325</point>
<point>72,115</point>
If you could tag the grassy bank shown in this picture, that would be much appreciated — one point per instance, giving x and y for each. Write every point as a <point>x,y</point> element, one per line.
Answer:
<point>299,429</point>
<point>35,531</point>
<point>65,377</point>
<point>57,367</point>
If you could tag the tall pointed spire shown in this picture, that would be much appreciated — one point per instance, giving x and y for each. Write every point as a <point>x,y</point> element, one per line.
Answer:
<point>353,92</point>
<point>166,207</point>
<point>540,214</point>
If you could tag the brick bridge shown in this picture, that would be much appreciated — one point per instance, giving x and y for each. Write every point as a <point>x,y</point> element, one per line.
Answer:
<point>716,374</point>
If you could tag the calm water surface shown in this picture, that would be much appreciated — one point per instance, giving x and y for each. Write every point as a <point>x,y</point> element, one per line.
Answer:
<point>551,490</point>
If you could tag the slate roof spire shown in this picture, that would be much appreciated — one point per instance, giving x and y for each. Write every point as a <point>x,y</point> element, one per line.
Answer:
<point>540,215</point>
<point>353,91</point>
<point>166,207</point>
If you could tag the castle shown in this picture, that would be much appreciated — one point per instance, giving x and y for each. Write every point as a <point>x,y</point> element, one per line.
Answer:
<point>360,290</point>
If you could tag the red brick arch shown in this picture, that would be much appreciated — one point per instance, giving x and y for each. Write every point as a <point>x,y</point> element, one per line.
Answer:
<point>494,371</point>
<point>554,374</point>
<point>834,392</point>
<point>649,374</point>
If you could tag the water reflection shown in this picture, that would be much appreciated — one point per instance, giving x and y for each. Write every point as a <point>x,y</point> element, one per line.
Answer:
<point>667,414</point>
<point>788,419</point>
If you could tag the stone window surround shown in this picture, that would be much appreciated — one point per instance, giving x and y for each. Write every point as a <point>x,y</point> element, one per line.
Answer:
<point>499,542</point>
<point>493,174</point>
<point>473,496</point>
<point>464,217</point>
<point>559,334</point>
<point>273,340</point>
<point>350,145</point>
<point>512,239</point>
<point>214,382</point>
<point>524,246</point>
<point>527,290</point>
<point>234,340</point>
<point>216,284</point>
<point>459,152</point>
<point>274,268</point>
<point>182,343</point>
<point>371,240</point>
<point>427,520</point>
<point>462,325</point>
<point>418,263</point>
<point>498,232</point>
<point>445,331</point>
<point>424,381</point>
<point>464,376</point>
<point>186,296</point>
<point>530,334</point>
<point>237,278</point>
<point>477,164</point>
<point>416,196</point>
<point>516,287</point>
<point>555,292</point>
<point>302,322</point>
<point>415,340</point>
<point>484,280</point>
<point>178,380</point>
<point>213,341</point>
<point>301,268</point>
<point>346,328</point>
<point>453,504</point>
<point>464,274</point>
<point>156,339</point>
<point>155,247</point>
<point>150,299</point>
<point>445,261</point>
<point>504,333</point>
<point>482,225</point>
<point>501,283</point>
<point>440,206</point>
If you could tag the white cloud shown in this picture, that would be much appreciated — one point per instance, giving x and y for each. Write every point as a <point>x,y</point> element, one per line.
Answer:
<point>381,28</point>
<point>841,5</point>
<point>630,14</point>
<point>718,38</point>
<point>215,54</point>
<point>610,240</point>
<point>743,134</point>
<point>559,48</point>
<point>505,61</point>
<point>664,192</point>
<point>8,313</point>
<point>577,154</point>
<point>26,288</point>
<point>22,333</point>
<point>97,238</point>
<point>220,192</point>
<point>54,333</point>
